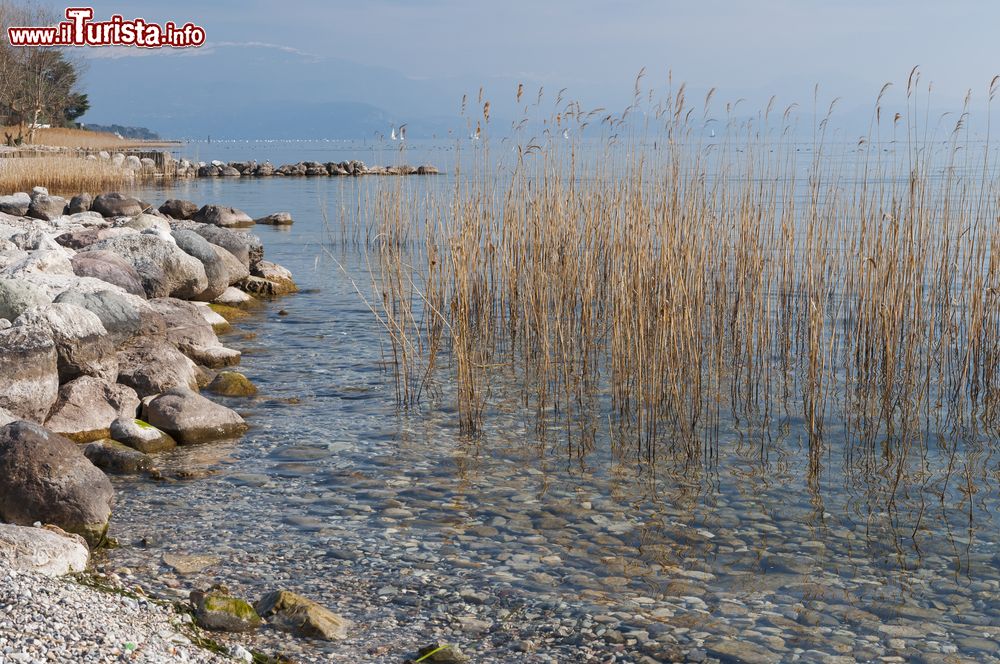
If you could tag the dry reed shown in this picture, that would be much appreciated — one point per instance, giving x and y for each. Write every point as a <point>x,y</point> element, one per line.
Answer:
<point>62,175</point>
<point>659,281</point>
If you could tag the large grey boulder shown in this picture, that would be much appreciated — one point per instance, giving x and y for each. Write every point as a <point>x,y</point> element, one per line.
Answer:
<point>47,551</point>
<point>245,246</point>
<point>235,269</point>
<point>191,418</point>
<point>269,279</point>
<point>145,222</point>
<point>79,238</point>
<point>9,254</point>
<point>116,205</point>
<point>123,315</point>
<point>46,207</point>
<point>42,261</point>
<point>189,330</point>
<point>165,270</point>
<point>220,215</point>
<point>110,267</point>
<point>87,406</point>
<point>45,477</point>
<point>83,345</point>
<point>185,324</point>
<point>33,239</point>
<point>29,374</point>
<point>215,267</point>
<point>15,204</point>
<point>153,365</point>
<point>54,285</point>
<point>80,203</point>
<point>17,296</point>
<point>234,297</point>
<point>179,209</point>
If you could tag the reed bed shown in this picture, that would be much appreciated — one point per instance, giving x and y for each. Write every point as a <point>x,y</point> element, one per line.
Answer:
<point>658,281</point>
<point>62,175</point>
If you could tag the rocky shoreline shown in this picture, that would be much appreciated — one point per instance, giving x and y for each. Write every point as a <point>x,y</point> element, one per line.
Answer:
<point>353,168</point>
<point>156,163</point>
<point>109,314</point>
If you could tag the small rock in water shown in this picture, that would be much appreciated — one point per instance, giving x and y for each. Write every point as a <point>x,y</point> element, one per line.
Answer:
<point>440,653</point>
<point>276,219</point>
<point>188,564</point>
<point>140,436</point>
<point>114,457</point>
<point>299,615</point>
<point>217,610</point>
<point>232,384</point>
<point>732,650</point>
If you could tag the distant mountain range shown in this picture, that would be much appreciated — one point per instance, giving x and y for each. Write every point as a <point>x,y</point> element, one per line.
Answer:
<point>258,91</point>
<point>264,91</point>
<point>140,133</point>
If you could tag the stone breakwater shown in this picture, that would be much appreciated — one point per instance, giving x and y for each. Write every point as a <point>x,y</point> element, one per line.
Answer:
<point>303,168</point>
<point>164,164</point>
<point>109,314</point>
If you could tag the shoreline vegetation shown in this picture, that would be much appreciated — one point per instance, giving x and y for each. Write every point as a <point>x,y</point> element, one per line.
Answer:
<point>670,280</point>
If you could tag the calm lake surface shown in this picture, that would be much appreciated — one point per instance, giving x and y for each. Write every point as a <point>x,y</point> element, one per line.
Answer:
<point>375,511</point>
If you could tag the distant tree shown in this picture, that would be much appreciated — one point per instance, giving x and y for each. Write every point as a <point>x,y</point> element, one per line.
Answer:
<point>76,106</point>
<point>37,85</point>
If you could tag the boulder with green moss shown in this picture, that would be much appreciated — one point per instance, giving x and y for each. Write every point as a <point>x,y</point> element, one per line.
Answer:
<point>232,384</point>
<point>269,279</point>
<point>217,610</point>
<point>114,457</point>
<point>296,614</point>
<point>140,435</point>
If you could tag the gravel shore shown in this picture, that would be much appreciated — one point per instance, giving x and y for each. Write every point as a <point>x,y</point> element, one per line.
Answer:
<point>44,619</point>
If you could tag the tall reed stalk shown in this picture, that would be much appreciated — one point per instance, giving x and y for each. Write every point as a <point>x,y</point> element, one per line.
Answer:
<point>666,279</point>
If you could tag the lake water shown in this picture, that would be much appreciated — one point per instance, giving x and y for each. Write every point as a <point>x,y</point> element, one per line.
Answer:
<point>518,547</point>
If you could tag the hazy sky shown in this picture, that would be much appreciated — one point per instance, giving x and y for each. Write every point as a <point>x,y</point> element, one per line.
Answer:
<point>595,48</point>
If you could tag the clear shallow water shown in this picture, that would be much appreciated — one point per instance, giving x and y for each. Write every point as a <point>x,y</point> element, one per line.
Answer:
<point>389,516</point>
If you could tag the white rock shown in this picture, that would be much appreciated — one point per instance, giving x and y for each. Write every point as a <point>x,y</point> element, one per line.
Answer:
<point>40,550</point>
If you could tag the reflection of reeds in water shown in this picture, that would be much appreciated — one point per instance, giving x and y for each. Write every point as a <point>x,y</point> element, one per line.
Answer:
<point>675,280</point>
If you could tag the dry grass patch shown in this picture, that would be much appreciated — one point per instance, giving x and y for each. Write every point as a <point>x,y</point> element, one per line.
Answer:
<point>62,175</point>
<point>82,138</point>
